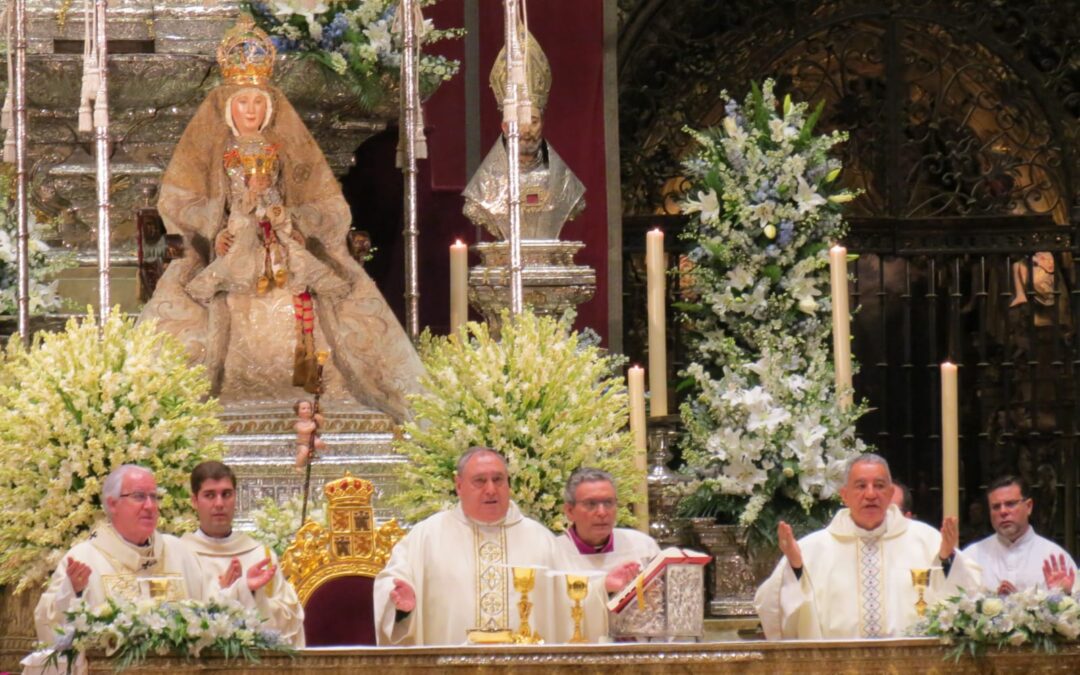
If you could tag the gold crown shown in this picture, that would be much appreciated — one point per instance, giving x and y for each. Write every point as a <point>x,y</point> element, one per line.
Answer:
<point>246,54</point>
<point>538,74</point>
<point>349,491</point>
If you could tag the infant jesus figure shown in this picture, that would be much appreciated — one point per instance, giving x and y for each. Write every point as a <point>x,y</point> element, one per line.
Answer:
<point>308,442</point>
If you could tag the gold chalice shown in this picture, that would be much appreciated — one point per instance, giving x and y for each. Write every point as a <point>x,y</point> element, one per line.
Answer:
<point>920,579</point>
<point>577,587</point>
<point>524,581</point>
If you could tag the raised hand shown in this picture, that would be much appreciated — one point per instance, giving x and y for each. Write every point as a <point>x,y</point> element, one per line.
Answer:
<point>621,575</point>
<point>950,537</point>
<point>78,574</point>
<point>403,596</point>
<point>1006,588</point>
<point>788,546</point>
<point>231,574</point>
<point>1058,574</point>
<point>260,574</point>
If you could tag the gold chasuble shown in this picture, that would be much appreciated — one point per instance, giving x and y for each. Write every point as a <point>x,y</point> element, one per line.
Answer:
<point>856,583</point>
<point>460,570</point>
<point>163,569</point>
<point>276,602</point>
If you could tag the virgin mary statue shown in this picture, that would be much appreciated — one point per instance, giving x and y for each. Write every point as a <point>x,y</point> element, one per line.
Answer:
<point>266,282</point>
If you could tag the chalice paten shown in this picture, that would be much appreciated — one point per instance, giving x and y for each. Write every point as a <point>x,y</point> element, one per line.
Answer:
<point>524,581</point>
<point>920,579</point>
<point>577,587</point>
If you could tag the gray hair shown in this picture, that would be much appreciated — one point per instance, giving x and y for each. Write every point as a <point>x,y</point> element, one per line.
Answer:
<point>585,474</point>
<point>866,458</point>
<point>111,486</point>
<point>475,450</point>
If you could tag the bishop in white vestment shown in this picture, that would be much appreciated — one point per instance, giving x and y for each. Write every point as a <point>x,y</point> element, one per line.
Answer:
<point>592,543</point>
<point>1015,558</point>
<point>451,572</point>
<point>853,579</point>
<point>126,558</point>
<point>241,567</point>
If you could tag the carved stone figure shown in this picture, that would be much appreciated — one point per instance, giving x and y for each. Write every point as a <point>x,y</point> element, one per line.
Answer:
<point>254,343</point>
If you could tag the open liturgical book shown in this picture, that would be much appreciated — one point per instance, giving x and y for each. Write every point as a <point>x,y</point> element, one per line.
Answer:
<point>669,556</point>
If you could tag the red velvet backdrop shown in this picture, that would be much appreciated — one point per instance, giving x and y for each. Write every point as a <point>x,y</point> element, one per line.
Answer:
<point>571,33</point>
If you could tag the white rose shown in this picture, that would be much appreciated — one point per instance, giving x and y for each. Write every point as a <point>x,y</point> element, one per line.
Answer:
<point>992,606</point>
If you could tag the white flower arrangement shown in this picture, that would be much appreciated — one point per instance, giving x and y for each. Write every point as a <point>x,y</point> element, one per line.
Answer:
<point>276,524</point>
<point>765,436</point>
<point>128,632</point>
<point>75,405</point>
<point>353,38</point>
<point>541,395</point>
<point>44,262</point>
<point>978,620</point>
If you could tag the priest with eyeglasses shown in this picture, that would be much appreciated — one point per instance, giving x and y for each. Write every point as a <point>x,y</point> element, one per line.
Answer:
<point>125,558</point>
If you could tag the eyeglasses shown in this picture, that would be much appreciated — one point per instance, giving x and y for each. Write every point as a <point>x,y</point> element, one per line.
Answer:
<point>591,505</point>
<point>141,497</point>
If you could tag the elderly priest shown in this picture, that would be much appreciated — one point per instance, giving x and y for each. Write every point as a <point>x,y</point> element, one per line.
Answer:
<point>853,579</point>
<point>451,573</point>
<point>125,557</point>
<point>241,567</point>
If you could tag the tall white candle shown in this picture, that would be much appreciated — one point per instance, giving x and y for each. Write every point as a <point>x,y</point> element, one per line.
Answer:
<point>636,384</point>
<point>841,316</point>
<point>950,442</point>
<point>459,285</point>
<point>656,273</point>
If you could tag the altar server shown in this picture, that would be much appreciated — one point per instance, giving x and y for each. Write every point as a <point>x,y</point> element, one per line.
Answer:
<point>1014,558</point>
<point>853,579</point>
<point>234,562</point>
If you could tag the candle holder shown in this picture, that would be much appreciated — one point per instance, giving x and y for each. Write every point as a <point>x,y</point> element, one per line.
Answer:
<point>577,588</point>
<point>920,579</point>
<point>524,581</point>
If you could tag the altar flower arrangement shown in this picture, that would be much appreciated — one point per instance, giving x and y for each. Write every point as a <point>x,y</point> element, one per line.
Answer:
<point>353,38</point>
<point>73,406</point>
<point>128,632</point>
<point>977,620</point>
<point>44,263</point>
<point>277,524</point>
<point>542,395</point>
<point>765,437</point>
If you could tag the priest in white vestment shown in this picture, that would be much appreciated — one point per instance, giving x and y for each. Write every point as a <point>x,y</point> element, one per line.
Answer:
<point>120,556</point>
<point>853,579</point>
<point>451,573</point>
<point>234,562</point>
<point>1014,558</point>
<point>592,542</point>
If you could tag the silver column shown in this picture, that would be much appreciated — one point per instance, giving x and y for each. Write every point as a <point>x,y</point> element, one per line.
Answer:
<point>21,213</point>
<point>410,99</point>
<point>101,155</point>
<point>515,76</point>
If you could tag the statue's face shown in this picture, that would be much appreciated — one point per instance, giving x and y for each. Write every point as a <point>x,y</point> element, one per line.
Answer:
<point>530,136</point>
<point>248,111</point>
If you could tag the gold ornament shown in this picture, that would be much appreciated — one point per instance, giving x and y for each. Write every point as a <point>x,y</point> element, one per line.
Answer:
<point>246,54</point>
<point>537,74</point>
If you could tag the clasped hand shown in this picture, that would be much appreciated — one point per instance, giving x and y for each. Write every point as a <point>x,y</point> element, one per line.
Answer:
<point>258,575</point>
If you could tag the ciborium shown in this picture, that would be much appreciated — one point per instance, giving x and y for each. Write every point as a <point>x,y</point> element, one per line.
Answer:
<point>577,588</point>
<point>524,582</point>
<point>920,579</point>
